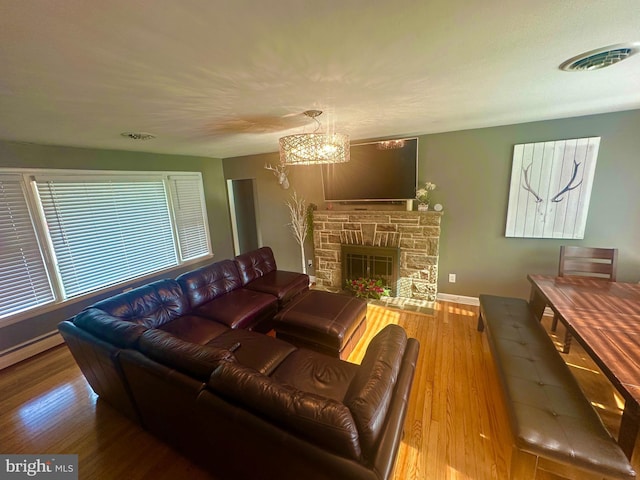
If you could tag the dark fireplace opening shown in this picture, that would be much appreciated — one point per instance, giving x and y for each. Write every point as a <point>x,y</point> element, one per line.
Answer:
<point>371,262</point>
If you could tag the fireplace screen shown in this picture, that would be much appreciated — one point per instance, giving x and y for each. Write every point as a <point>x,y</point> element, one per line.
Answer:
<point>370,262</point>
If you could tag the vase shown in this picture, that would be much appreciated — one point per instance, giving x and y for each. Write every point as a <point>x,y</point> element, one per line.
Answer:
<point>423,207</point>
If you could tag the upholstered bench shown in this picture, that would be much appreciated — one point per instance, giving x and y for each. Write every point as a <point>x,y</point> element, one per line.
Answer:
<point>553,424</point>
<point>322,321</point>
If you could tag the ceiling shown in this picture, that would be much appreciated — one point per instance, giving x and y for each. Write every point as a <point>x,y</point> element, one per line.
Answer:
<point>229,77</point>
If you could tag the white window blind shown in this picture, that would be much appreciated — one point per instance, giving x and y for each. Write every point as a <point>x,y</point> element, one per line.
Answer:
<point>190,219</point>
<point>106,231</point>
<point>24,282</point>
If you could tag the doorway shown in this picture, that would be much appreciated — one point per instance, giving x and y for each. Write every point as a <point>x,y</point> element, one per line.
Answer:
<point>244,219</point>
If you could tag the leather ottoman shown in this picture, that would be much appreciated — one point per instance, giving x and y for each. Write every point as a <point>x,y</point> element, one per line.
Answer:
<point>326,322</point>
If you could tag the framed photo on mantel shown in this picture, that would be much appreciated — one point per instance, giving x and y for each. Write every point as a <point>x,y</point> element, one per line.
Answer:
<point>551,188</point>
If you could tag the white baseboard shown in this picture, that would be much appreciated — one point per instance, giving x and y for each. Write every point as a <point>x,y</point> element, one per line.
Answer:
<point>447,297</point>
<point>29,349</point>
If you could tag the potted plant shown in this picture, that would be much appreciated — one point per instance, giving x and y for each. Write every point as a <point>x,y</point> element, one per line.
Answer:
<point>422,195</point>
<point>367,288</point>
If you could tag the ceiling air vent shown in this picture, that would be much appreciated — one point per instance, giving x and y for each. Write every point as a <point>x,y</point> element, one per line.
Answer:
<point>600,58</point>
<point>138,135</point>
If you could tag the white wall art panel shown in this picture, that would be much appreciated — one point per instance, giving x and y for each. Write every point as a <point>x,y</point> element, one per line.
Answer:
<point>551,188</point>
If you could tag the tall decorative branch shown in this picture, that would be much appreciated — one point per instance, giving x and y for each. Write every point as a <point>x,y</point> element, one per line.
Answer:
<point>299,223</point>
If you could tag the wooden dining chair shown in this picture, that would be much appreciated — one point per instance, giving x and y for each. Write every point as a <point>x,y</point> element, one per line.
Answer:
<point>585,262</point>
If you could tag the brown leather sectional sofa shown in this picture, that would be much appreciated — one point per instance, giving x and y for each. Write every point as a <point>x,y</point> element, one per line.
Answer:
<point>190,361</point>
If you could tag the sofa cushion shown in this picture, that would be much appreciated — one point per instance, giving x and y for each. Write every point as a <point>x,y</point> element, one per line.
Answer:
<point>240,308</point>
<point>120,333</point>
<point>284,285</point>
<point>255,264</point>
<point>320,420</point>
<point>256,350</point>
<point>150,305</point>
<point>194,329</point>
<point>210,282</point>
<point>370,392</point>
<point>191,359</point>
<point>317,373</point>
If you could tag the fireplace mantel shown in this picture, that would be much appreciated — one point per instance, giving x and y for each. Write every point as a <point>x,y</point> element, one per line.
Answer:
<point>416,234</point>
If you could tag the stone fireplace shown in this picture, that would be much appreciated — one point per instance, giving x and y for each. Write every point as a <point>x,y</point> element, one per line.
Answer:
<point>416,236</point>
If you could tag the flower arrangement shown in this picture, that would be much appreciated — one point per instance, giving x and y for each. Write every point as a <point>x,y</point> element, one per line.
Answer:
<point>367,288</point>
<point>422,194</point>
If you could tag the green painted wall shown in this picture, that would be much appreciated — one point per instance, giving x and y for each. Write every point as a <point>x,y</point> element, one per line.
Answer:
<point>472,169</point>
<point>41,156</point>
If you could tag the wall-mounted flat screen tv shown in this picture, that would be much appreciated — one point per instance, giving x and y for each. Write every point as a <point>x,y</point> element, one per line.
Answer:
<point>378,171</point>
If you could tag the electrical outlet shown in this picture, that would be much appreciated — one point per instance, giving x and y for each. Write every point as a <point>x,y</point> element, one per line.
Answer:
<point>452,278</point>
<point>309,263</point>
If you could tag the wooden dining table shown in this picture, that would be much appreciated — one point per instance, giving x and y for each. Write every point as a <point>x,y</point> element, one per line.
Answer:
<point>604,317</point>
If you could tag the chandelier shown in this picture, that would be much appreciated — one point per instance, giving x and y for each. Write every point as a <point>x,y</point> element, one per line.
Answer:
<point>314,148</point>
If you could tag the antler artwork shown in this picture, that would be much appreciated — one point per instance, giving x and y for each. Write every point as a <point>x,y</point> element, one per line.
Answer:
<point>527,185</point>
<point>558,197</point>
<point>280,171</point>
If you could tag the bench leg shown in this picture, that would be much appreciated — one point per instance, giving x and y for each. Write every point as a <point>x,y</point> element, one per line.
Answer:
<point>480,323</point>
<point>554,323</point>
<point>523,465</point>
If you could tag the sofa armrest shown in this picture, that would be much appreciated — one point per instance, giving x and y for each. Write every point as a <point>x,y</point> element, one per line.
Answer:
<point>370,392</point>
<point>392,432</point>
<point>320,420</point>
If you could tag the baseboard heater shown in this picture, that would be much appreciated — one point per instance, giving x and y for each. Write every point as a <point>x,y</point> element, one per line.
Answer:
<point>29,349</point>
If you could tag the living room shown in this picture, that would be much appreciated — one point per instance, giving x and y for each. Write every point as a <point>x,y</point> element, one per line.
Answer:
<point>465,166</point>
<point>470,163</point>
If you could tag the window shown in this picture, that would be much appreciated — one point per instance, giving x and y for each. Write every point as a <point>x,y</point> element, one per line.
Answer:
<point>188,207</point>
<point>24,283</point>
<point>100,229</point>
<point>106,232</point>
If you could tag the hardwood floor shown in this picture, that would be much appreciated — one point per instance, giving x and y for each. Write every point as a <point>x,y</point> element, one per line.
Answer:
<point>456,427</point>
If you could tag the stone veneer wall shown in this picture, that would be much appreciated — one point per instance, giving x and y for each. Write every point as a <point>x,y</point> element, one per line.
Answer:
<point>416,234</point>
